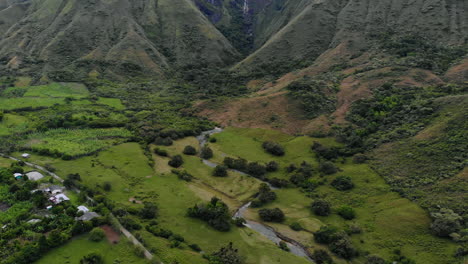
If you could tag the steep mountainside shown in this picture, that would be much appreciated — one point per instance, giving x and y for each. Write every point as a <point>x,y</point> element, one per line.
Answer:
<point>142,35</point>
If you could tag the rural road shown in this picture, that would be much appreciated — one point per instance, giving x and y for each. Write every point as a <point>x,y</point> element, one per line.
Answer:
<point>122,229</point>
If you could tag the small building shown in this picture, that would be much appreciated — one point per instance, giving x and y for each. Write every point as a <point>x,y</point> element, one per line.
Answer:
<point>88,216</point>
<point>18,176</point>
<point>25,155</point>
<point>83,209</point>
<point>49,207</point>
<point>54,189</point>
<point>34,176</point>
<point>59,198</point>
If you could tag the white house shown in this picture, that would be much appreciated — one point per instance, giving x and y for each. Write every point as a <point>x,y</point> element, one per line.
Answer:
<point>59,198</point>
<point>25,155</point>
<point>34,176</point>
<point>54,189</point>
<point>83,209</point>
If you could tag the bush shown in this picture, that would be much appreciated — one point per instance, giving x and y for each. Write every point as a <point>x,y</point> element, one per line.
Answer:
<point>215,213</point>
<point>255,169</point>
<point>96,235</point>
<point>321,207</point>
<point>347,212</point>
<point>176,161</point>
<point>373,259</point>
<point>107,186</point>
<point>445,222</point>
<point>161,152</point>
<point>183,175</point>
<point>189,150</point>
<point>341,246</point>
<point>226,255</point>
<point>283,246</point>
<point>206,153</point>
<point>325,234</point>
<point>92,258</point>
<point>271,215</point>
<point>321,256</point>
<point>195,247</point>
<point>272,166</point>
<point>328,167</point>
<point>359,158</point>
<point>296,226</point>
<point>149,210</point>
<point>220,171</point>
<point>278,183</point>
<point>160,141</point>
<point>342,183</point>
<point>273,148</point>
<point>239,221</point>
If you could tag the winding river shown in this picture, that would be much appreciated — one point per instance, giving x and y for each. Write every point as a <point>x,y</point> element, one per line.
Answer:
<point>294,247</point>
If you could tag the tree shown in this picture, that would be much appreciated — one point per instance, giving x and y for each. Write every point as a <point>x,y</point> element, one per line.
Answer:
<point>220,171</point>
<point>373,259</point>
<point>321,256</point>
<point>149,210</point>
<point>255,169</point>
<point>92,258</point>
<point>445,222</point>
<point>1,116</point>
<point>342,183</point>
<point>327,167</point>
<point>226,255</point>
<point>107,186</point>
<point>176,161</point>
<point>347,212</point>
<point>189,150</point>
<point>272,166</point>
<point>359,158</point>
<point>341,246</point>
<point>325,234</point>
<point>206,153</point>
<point>321,207</point>
<point>96,235</point>
<point>271,215</point>
<point>215,213</point>
<point>273,148</point>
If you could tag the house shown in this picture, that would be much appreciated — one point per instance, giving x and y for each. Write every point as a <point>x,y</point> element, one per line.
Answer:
<point>59,198</point>
<point>87,216</point>
<point>83,209</point>
<point>18,176</point>
<point>54,189</point>
<point>25,155</point>
<point>34,176</point>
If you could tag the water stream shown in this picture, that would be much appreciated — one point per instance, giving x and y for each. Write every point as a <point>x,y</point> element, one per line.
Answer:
<point>294,247</point>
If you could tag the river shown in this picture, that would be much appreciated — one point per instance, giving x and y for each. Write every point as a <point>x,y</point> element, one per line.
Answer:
<point>294,247</point>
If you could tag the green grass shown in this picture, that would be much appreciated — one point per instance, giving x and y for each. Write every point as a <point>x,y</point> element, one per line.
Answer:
<point>389,221</point>
<point>23,102</point>
<point>12,124</point>
<point>71,90</point>
<point>75,142</point>
<point>78,247</point>
<point>112,102</point>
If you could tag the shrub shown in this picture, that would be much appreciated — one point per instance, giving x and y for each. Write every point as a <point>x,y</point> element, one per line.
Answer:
<point>239,221</point>
<point>213,140</point>
<point>195,247</point>
<point>161,152</point>
<point>321,256</point>
<point>341,246</point>
<point>92,258</point>
<point>220,171</point>
<point>359,158</point>
<point>325,234</point>
<point>176,161</point>
<point>445,222</point>
<point>278,183</point>
<point>166,141</point>
<point>189,150</point>
<point>149,210</point>
<point>215,213</point>
<point>206,153</point>
<point>373,259</point>
<point>342,183</point>
<point>273,148</point>
<point>283,246</point>
<point>183,175</point>
<point>272,166</point>
<point>271,215</point>
<point>296,226</point>
<point>107,186</point>
<point>255,169</point>
<point>226,255</point>
<point>347,212</point>
<point>321,207</point>
<point>96,235</point>
<point>328,167</point>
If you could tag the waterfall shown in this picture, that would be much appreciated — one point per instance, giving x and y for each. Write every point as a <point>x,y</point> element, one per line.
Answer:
<point>246,7</point>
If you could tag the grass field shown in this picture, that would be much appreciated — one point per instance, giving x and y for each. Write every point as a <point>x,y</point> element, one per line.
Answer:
<point>23,102</point>
<point>389,222</point>
<point>12,124</point>
<point>75,142</point>
<point>78,247</point>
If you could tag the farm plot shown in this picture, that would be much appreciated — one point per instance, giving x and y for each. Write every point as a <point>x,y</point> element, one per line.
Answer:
<point>74,143</point>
